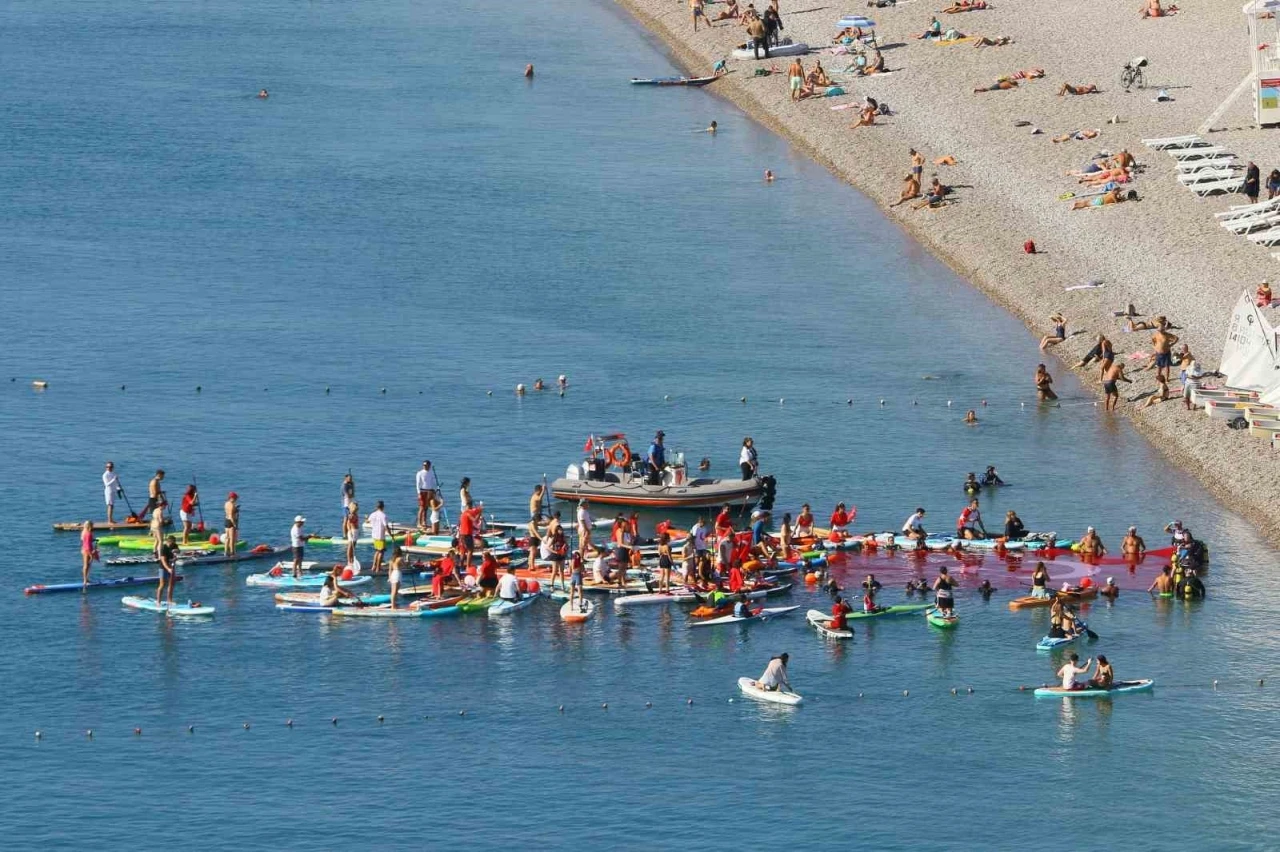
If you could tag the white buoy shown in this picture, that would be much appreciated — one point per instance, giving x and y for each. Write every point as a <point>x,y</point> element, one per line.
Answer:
<point>520,389</point>
<point>882,402</point>
<point>666,397</point>
<point>948,403</point>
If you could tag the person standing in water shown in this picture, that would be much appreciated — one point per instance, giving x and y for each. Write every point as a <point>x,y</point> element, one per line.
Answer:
<point>775,675</point>
<point>110,489</point>
<point>88,551</point>
<point>1133,546</point>
<point>230,523</point>
<point>1044,384</point>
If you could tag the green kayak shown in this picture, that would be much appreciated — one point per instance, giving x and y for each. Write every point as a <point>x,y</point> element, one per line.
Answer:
<point>141,543</point>
<point>476,604</point>
<point>130,542</point>
<point>899,609</point>
<point>937,619</point>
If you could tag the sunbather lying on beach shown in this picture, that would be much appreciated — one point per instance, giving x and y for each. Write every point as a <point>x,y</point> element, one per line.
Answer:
<point>1027,74</point>
<point>881,4</point>
<point>1106,176</point>
<point>730,12</point>
<point>998,41</point>
<point>948,160</point>
<point>998,85</point>
<point>1082,89</point>
<point>967,6</point>
<point>934,30</point>
<point>1115,196</point>
<point>1138,325</point>
<point>1079,134</point>
<point>952,34</point>
<point>910,189</point>
<point>1152,9</point>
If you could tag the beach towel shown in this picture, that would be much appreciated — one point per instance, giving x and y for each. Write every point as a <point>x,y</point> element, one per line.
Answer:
<point>1092,285</point>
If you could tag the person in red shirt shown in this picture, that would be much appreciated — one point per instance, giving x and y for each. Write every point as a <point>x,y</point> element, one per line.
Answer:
<point>187,512</point>
<point>839,612</point>
<point>962,522</point>
<point>446,572</point>
<point>488,574</point>
<point>840,520</point>
<point>736,580</point>
<point>724,538</point>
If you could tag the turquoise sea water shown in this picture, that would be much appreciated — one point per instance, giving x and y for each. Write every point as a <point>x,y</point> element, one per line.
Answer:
<point>406,212</point>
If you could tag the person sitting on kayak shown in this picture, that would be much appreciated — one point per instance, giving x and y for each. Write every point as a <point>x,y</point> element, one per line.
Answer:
<point>869,600</point>
<point>804,522</point>
<point>942,587</point>
<point>840,520</point>
<point>914,526</point>
<point>775,674</point>
<point>986,589</point>
<point>1133,545</point>
<point>1091,544</point>
<point>971,485</point>
<point>742,609</point>
<point>1071,671</point>
<point>1163,584</point>
<point>1040,581</point>
<point>1014,530</point>
<point>991,478</point>
<point>1110,590</point>
<point>332,591</point>
<point>839,612</point>
<point>1103,676</point>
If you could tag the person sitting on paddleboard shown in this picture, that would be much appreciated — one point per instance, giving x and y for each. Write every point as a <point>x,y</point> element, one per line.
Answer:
<point>839,522</point>
<point>1014,529</point>
<point>1040,581</point>
<point>804,522</point>
<point>914,526</point>
<point>1103,676</point>
<point>775,674</point>
<point>509,586</point>
<point>971,484</point>
<point>839,612</point>
<point>1071,671</point>
<point>1163,584</point>
<point>575,578</point>
<point>331,591</point>
<point>990,477</point>
<point>1110,590</point>
<point>1133,545</point>
<point>488,573</point>
<point>974,528</point>
<point>942,587</point>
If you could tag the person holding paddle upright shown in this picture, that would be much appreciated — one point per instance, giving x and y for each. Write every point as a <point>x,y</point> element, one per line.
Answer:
<point>110,488</point>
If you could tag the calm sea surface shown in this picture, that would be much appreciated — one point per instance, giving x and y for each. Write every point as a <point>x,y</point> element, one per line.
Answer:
<point>405,212</point>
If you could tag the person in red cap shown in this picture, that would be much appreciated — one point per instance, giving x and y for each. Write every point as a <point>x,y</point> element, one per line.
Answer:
<point>231,525</point>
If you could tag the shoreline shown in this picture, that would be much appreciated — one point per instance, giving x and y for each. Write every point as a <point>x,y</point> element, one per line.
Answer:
<point>1012,176</point>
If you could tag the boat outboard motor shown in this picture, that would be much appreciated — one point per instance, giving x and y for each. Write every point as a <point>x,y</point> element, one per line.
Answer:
<point>769,489</point>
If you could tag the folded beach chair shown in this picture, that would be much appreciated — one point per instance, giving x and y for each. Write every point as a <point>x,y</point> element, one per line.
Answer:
<point>1210,187</point>
<point>1239,210</point>
<point>1245,224</point>
<point>1173,142</point>
<point>1196,153</point>
<point>1269,237</point>
<point>1216,163</point>
<point>1205,176</point>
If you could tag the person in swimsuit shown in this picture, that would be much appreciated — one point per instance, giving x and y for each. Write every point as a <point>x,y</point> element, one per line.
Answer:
<point>804,522</point>
<point>665,562</point>
<point>167,553</point>
<point>351,530</point>
<point>1091,544</point>
<point>986,589</point>
<point>155,494</point>
<point>1110,590</point>
<point>231,523</point>
<point>1044,382</point>
<point>1103,676</point>
<point>88,551</point>
<point>1162,344</point>
<point>187,512</point>
<point>942,587</point>
<point>1040,581</point>
<point>1059,332</point>
<point>795,75</point>
<point>971,484</point>
<point>394,573</point>
<point>575,578</point>
<point>1102,352</point>
<point>1133,545</point>
<point>1163,584</point>
<point>1080,89</point>
<point>1112,375</point>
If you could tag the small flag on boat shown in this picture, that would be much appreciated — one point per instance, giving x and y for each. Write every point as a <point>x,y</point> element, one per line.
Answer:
<point>591,439</point>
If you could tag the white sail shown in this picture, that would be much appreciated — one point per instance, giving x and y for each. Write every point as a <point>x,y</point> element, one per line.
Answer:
<point>1243,334</point>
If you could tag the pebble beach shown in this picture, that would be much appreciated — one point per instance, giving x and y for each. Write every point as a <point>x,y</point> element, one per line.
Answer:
<point>1165,253</point>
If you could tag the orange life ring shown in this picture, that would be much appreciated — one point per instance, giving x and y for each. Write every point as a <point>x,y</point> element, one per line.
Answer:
<point>619,455</point>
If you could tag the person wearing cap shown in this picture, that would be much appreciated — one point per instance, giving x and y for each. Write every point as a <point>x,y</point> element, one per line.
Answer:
<point>1175,530</point>
<point>110,488</point>
<point>656,460</point>
<point>167,554</point>
<point>378,530</point>
<point>428,485</point>
<point>775,674</point>
<point>296,540</point>
<point>1091,544</point>
<point>1110,590</point>
<point>1133,545</point>
<point>230,523</point>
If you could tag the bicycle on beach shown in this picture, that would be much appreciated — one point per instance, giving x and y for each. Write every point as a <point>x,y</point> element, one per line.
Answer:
<point>1132,76</point>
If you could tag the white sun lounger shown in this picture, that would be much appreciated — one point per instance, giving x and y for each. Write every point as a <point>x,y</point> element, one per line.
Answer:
<point>1173,142</point>
<point>1196,153</point>
<point>1206,176</point>
<point>1245,224</point>
<point>1265,238</point>
<point>1239,210</point>
<point>1203,189</point>
<point>1201,165</point>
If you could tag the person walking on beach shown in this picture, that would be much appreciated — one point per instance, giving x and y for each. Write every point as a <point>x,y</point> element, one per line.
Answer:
<point>1044,382</point>
<point>1162,342</point>
<point>1252,182</point>
<point>428,485</point>
<point>110,488</point>
<point>1113,374</point>
<point>1103,352</point>
<point>748,459</point>
<point>699,11</point>
<point>795,74</point>
<point>230,523</point>
<point>759,38</point>
<point>772,24</point>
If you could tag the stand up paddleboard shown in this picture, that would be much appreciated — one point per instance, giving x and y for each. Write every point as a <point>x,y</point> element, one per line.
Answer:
<point>174,609</point>
<point>752,689</point>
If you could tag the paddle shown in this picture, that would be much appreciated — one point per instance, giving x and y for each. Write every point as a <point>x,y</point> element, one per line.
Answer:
<point>199,508</point>
<point>120,488</point>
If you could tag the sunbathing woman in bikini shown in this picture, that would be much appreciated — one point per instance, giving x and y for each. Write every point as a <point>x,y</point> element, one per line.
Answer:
<point>866,116</point>
<point>1082,89</point>
<point>731,11</point>
<point>910,189</point>
<point>1112,197</point>
<point>998,85</point>
<point>998,41</point>
<point>966,6</point>
<point>1138,325</point>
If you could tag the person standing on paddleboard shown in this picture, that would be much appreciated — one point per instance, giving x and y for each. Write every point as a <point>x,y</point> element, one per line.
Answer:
<point>942,586</point>
<point>296,540</point>
<point>230,523</point>
<point>1040,581</point>
<point>155,494</point>
<point>348,495</point>
<point>775,674</point>
<point>167,553</point>
<point>428,486</point>
<point>110,489</point>
<point>584,526</point>
<point>88,550</point>
<point>157,523</point>
<point>351,530</point>
<point>187,511</point>
<point>378,526</point>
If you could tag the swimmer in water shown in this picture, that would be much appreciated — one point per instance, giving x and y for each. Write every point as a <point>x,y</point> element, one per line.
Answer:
<point>712,127</point>
<point>262,93</point>
<point>985,589</point>
<point>528,71</point>
<point>538,385</point>
<point>1110,590</point>
<point>971,417</point>
<point>768,176</point>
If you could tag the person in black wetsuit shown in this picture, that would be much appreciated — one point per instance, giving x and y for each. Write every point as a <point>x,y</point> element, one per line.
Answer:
<point>1014,530</point>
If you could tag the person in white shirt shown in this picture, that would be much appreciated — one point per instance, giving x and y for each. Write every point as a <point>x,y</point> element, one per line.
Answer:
<point>297,538</point>
<point>378,528</point>
<point>428,485</point>
<point>110,485</point>
<point>748,460</point>
<point>699,536</point>
<point>914,527</point>
<point>1071,671</point>
<point>775,674</point>
<point>584,526</point>
<point>509,585</point>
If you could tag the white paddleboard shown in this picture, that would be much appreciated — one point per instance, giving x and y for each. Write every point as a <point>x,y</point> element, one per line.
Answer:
<point>576,612</point>
<point>752,689</point>
<point>174,609</point>
<point>821,621</point>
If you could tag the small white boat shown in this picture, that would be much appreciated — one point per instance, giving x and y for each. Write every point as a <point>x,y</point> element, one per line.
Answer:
<point>784,48</point>
<point>753,689</point>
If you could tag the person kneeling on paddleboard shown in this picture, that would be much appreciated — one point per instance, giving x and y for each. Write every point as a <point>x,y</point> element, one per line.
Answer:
<point>839,610</point>
<point>509,586</point>
<point>775,674</point>
<point>331,591</point>
<point>1071,671</point>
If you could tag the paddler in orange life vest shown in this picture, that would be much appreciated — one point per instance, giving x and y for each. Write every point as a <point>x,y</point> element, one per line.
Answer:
<point>839,610</point>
